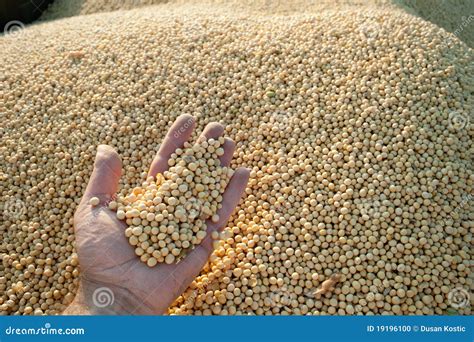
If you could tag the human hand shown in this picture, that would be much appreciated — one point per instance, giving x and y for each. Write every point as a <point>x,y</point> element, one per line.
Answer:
<point>113,279</point>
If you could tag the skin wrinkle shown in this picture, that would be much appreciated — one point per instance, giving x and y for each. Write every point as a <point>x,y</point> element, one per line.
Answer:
<point>90,241</point>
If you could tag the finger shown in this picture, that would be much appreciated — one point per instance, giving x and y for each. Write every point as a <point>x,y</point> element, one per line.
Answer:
<point>212,130</point>
<point>231,198</point>
<point>106,174</point>
<point>229,148</point>
<point>177,135</point>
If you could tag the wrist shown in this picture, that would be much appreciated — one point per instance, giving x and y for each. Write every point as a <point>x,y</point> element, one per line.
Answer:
<point>97,299</point>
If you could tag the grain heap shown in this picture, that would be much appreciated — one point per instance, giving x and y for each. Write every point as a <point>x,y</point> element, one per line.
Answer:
<point>359,137</point>
<point>167,216</point>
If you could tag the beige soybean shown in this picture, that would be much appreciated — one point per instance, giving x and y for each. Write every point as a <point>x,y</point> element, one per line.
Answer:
<point>358,135</point>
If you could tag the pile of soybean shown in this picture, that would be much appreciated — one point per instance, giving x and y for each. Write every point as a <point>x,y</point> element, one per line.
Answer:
<point>357,125</point>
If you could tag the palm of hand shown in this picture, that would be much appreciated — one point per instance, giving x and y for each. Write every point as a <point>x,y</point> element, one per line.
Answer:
<point>108,262</point>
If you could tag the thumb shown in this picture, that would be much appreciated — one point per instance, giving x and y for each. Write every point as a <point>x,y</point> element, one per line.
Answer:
<point>106,174</point>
